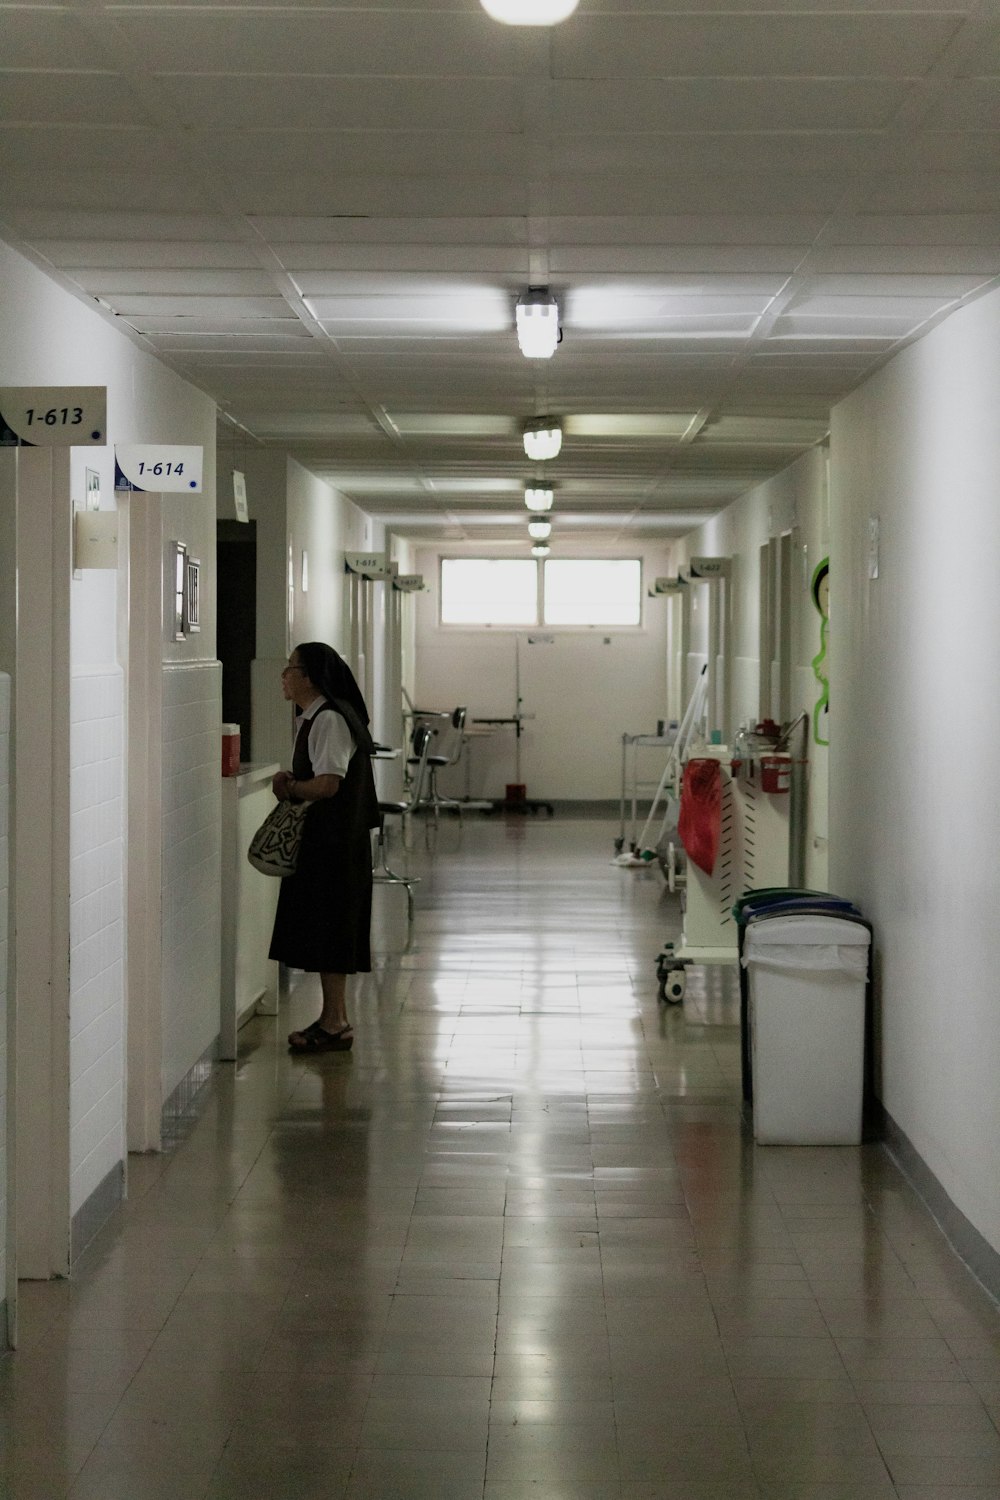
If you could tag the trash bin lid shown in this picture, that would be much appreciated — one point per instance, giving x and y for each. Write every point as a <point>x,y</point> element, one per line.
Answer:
<point>806,930</point>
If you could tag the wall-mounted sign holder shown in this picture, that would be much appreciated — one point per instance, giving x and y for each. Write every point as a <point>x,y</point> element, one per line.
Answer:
<point>704,569</point>
<point>158,468</point>
<point>53,416</point>
<point>370,565</point>
<point>663,586</point>
<point>408,583</point>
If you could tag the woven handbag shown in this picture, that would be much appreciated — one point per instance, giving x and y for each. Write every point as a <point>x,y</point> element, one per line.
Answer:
<point>274,848</point>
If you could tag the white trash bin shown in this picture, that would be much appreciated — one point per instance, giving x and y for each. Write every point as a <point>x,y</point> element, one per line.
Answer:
<point>806,978</point>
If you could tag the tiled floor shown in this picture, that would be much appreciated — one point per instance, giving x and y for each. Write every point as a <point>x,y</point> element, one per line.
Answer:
<point>518,1243</point>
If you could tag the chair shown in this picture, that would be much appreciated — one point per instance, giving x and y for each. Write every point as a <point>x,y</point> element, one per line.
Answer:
<point>420,744</point>
<point>435,799</point>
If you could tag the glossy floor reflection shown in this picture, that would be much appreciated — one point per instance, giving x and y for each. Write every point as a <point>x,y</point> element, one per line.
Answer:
<point>518,1243</point>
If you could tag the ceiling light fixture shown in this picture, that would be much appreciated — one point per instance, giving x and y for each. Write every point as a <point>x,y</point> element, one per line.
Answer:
<point>541,550</point>
<point>538,497</point>
<point>539,530</point>
<point>542,438</point>
<point>537,319</point>
<point>529,12</point>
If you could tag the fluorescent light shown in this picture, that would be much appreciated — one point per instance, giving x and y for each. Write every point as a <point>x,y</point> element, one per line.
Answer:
<point>539,530</point>
<point>537,320</point>
<point>538,497</point>
<point>529,12</point>
<point>542,438</point>
<point>541,550</point>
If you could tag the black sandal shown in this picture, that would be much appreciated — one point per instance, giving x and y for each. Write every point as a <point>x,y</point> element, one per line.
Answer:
<point>316,1038</point>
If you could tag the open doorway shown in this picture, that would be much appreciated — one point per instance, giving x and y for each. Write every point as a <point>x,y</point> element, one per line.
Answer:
<point>236,543</point>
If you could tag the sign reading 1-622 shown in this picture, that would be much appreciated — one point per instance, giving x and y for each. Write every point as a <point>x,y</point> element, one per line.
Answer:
<point>158,467</point>
<point>53,416</point>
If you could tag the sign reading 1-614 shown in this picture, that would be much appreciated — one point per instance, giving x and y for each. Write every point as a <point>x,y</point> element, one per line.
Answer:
<point>158,467</point>
<point>53,416</point>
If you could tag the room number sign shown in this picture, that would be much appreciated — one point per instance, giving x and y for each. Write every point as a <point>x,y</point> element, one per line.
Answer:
<point>53,416</point>
<point>158,467</point>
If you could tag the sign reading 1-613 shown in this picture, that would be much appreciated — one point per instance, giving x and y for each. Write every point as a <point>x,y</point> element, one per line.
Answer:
<point>158,467</point>
<point>53,416</point>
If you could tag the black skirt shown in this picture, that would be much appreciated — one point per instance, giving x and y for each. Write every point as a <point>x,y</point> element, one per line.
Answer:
<point>323,921</point>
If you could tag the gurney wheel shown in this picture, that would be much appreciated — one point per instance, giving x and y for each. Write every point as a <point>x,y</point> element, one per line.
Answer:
<point>672,986</point>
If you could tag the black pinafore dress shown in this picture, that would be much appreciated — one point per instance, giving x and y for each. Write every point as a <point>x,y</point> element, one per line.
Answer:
<point>323,920</point>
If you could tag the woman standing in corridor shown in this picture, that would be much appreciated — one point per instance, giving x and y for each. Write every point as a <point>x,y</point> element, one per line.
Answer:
<point>323,920</point>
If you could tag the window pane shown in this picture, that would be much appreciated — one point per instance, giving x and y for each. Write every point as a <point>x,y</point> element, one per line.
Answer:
<point>488,591</point>
<point>591,591</point>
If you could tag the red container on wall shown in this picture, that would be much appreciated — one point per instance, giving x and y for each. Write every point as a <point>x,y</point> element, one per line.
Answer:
<point>230,749</point>
<point>775,773</point>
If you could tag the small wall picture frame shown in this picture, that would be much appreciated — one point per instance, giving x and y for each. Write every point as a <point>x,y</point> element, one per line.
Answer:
<point>192,597</point>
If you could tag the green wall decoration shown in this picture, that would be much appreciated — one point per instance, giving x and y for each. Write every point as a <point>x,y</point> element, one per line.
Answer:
<point>820,589</point>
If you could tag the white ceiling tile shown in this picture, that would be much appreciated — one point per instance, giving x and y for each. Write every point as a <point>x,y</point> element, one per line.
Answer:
<point>821,45</point>
<point>228,326</point>
<point>923,193</point>
<point>69,98</point>
<point>36,37</point>
<point>76,256</point>
<point>355,104</point>
<point>943,288</point>
<point>372,229</point>
<point>291,340</point>
<point>771,262</point>
<point>723,104</point>
<point>916,229</point>
<point>298,193</point>
<point>866,310</point>
<point>117,284</point>
<point>967,104</point>
<point>400,260</point>
<point>451,424</point>
<point>717,192</point>
<point>976,261</point>
<point>74,223</point>
<point>298,425</point>
<point>350,43</point>
<point>200,308</point>
<point>401,288</point>
<point>703,230</point>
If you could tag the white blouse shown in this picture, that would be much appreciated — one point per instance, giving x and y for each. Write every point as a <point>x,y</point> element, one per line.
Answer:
<point>331,743</point>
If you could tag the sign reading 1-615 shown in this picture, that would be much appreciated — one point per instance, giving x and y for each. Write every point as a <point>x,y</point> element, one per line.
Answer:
<point>158,467</point>
<point>47,416</point>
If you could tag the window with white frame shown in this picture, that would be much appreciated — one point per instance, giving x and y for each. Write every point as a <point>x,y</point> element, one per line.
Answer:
<point>592,591</point>
<point>489,591</point>
<point>580,592</point>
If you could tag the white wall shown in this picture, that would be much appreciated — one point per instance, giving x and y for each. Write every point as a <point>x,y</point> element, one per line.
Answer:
<point>50,338</point>
<point>915,820</point>
<point>297,514</point>
<point>97,938</point>
<point>584,690</point>
<point>192,871</point>
<point>793,501</point>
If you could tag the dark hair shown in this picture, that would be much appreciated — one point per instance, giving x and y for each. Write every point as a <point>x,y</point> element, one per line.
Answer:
<point>332,677</point>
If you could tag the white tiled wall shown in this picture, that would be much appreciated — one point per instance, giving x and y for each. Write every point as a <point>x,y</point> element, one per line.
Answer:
<point>192,713</point>
<point>4,808</point>
<point>97,1018</point>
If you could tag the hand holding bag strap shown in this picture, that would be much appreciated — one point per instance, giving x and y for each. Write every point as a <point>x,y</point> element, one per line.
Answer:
<point>274,848</point>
